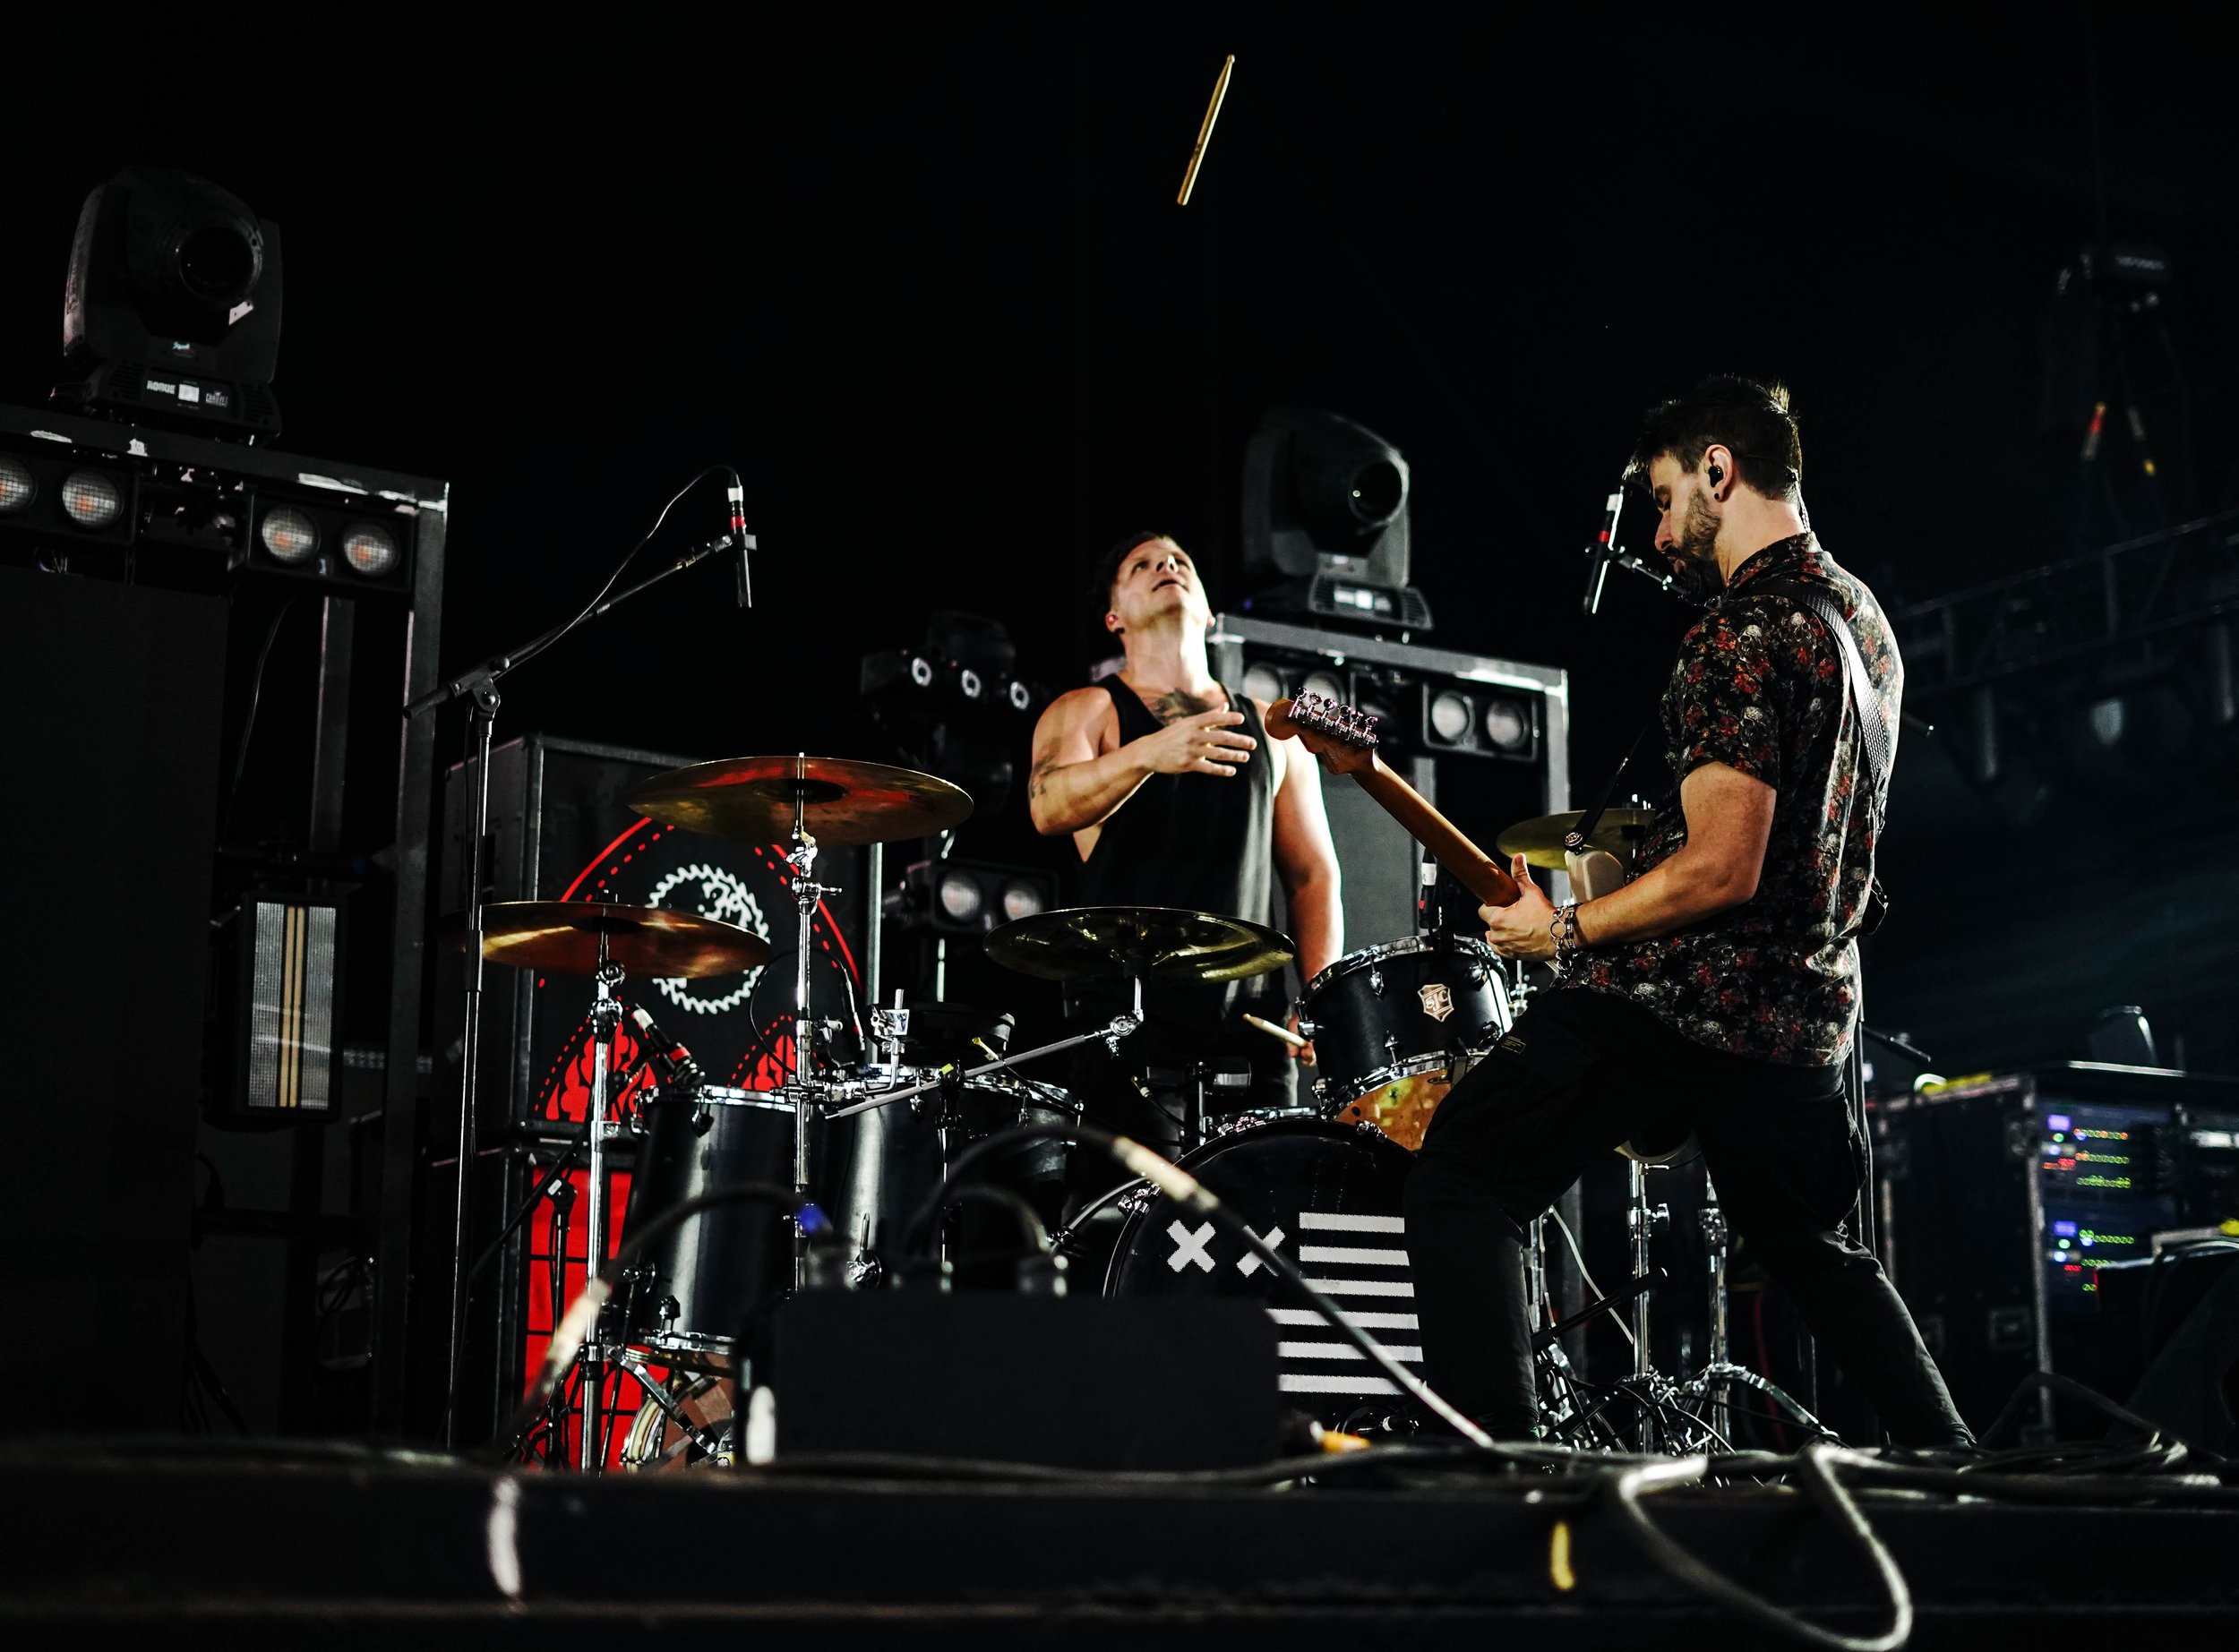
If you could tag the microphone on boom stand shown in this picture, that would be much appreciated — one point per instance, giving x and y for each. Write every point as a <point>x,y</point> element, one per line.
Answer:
<point>1605,553</point>
<point>742,539</point>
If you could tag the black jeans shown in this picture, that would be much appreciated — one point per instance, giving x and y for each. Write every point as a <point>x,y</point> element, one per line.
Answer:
<point>1581,1072</point>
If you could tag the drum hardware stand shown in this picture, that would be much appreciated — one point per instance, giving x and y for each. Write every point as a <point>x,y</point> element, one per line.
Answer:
<point>806,1087</point>
<point>1120,1026</point>
<point>631,1361</point>
<point>481,686</point>
<point>605,1016</point>
<point>1642,1221</point>
<point>1720,1368</point>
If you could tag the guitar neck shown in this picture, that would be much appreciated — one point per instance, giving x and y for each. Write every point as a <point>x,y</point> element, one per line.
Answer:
<point>1482,874</point>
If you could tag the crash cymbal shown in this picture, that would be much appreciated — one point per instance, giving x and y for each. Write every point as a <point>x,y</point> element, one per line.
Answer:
<point>1160,943</point>
<point>648,942</point>
<point>847,802</point>
<point>1540,841</point>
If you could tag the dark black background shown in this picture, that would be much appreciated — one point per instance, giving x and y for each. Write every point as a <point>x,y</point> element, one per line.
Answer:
<point>921,277</point>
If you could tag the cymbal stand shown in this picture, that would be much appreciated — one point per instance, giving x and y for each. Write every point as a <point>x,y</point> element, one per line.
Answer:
<point>605,1016</point>
<point>1642,1221</point>
<point>806,1087</point>
<point>1701,1389</point>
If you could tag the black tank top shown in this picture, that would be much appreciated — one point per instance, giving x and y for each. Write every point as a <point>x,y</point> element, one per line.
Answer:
<point>1203,842</point>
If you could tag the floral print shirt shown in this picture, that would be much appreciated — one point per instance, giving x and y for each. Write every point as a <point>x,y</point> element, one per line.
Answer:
<point>1762,687</point>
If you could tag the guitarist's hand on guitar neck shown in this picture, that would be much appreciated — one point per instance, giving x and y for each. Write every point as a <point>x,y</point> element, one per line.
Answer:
<point>1345,740</point>
<point>1521,929</point>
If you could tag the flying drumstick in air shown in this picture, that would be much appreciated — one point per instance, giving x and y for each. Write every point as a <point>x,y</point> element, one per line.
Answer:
<point>1205,133</point>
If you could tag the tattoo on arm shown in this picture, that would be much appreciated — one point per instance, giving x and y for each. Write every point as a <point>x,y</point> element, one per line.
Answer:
<point>1038,782</point>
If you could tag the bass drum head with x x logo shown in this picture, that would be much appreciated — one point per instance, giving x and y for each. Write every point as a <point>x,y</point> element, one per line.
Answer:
<point>1326,1197</point>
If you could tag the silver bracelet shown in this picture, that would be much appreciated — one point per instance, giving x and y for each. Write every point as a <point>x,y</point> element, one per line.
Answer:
<point>1563,931</point>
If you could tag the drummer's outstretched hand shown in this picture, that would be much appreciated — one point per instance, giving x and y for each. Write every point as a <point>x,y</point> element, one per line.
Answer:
<point>1520,930</point>
<point>1206,743</point>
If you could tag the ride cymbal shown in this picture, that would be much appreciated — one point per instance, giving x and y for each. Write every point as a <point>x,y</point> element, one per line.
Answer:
<point>1540,841</point>
<point>648,942</point>
<point>843,801</point>
<point>1160,943</point>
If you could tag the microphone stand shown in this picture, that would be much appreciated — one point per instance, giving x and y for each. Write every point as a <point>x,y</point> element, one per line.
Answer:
<point>480,685</point>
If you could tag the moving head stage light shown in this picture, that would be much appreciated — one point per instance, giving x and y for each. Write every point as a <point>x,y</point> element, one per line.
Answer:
<point>1326,504</point>
<point>172,315</point>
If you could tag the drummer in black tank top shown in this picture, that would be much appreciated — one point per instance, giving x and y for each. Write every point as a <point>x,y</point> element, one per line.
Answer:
<point>1175,796</point>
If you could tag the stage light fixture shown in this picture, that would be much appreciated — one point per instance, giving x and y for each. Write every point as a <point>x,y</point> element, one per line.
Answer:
<point>970,897</point>
<point>1462,717</point>
<point>304,538</point>
<point>91,499</point>
<point>1450,716</point>
<point>172,311</point>
<point>18,486</point>
<point>1324,504</point>
<point>289,536</point>
<point>1508,725</point>
<point>1022,899</point>
<point>369,550</point>
<point>962,899</point>
<point>1263,681</point>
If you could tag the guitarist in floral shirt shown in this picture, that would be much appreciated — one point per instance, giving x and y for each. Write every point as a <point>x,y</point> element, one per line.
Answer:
<point>1717,989</point>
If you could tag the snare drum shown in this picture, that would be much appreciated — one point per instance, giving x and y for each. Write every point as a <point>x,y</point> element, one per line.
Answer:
<point>1395,1026</point>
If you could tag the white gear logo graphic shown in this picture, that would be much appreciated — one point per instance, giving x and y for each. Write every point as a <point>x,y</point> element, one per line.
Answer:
<point>721,895</point>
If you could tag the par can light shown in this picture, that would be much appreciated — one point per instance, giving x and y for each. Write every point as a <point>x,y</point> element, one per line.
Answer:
<point>91,499</point>
<point>1021,900</point>
<point>960,896</point>
<point>1507,724</point>
<point>18,486</point>
<point>369,550</point>
<point>289,536</point>
<point>1450,716</point>
<point>1263,681</point>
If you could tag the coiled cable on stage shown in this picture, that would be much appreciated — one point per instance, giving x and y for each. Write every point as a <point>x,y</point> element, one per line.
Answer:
<point>1622,1492</point>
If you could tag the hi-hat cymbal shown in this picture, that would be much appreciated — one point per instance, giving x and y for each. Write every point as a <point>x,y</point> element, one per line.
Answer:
<point>843,801</point>
<point>1540,841</point>
<point>648,942</point>
<point>1161,943</point>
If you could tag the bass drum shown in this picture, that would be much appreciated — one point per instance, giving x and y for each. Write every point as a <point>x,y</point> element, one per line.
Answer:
<point>1395,1027</point>
<point>1327,1197</point>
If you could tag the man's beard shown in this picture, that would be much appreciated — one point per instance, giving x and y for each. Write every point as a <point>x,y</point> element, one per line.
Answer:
<point>1694,554</point>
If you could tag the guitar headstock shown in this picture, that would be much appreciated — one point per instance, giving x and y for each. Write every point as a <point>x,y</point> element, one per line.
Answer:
<point>1343,735</point>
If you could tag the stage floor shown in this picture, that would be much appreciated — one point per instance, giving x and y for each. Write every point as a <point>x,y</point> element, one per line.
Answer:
<point>358,1549</point>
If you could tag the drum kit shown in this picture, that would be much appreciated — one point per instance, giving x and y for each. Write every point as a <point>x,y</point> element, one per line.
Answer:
<point>869,1143</point>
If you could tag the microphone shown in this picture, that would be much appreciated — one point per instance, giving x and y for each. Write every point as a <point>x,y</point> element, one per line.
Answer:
<point>670,1060</point>
<point>1603,551</point>
<point>744,540</point>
